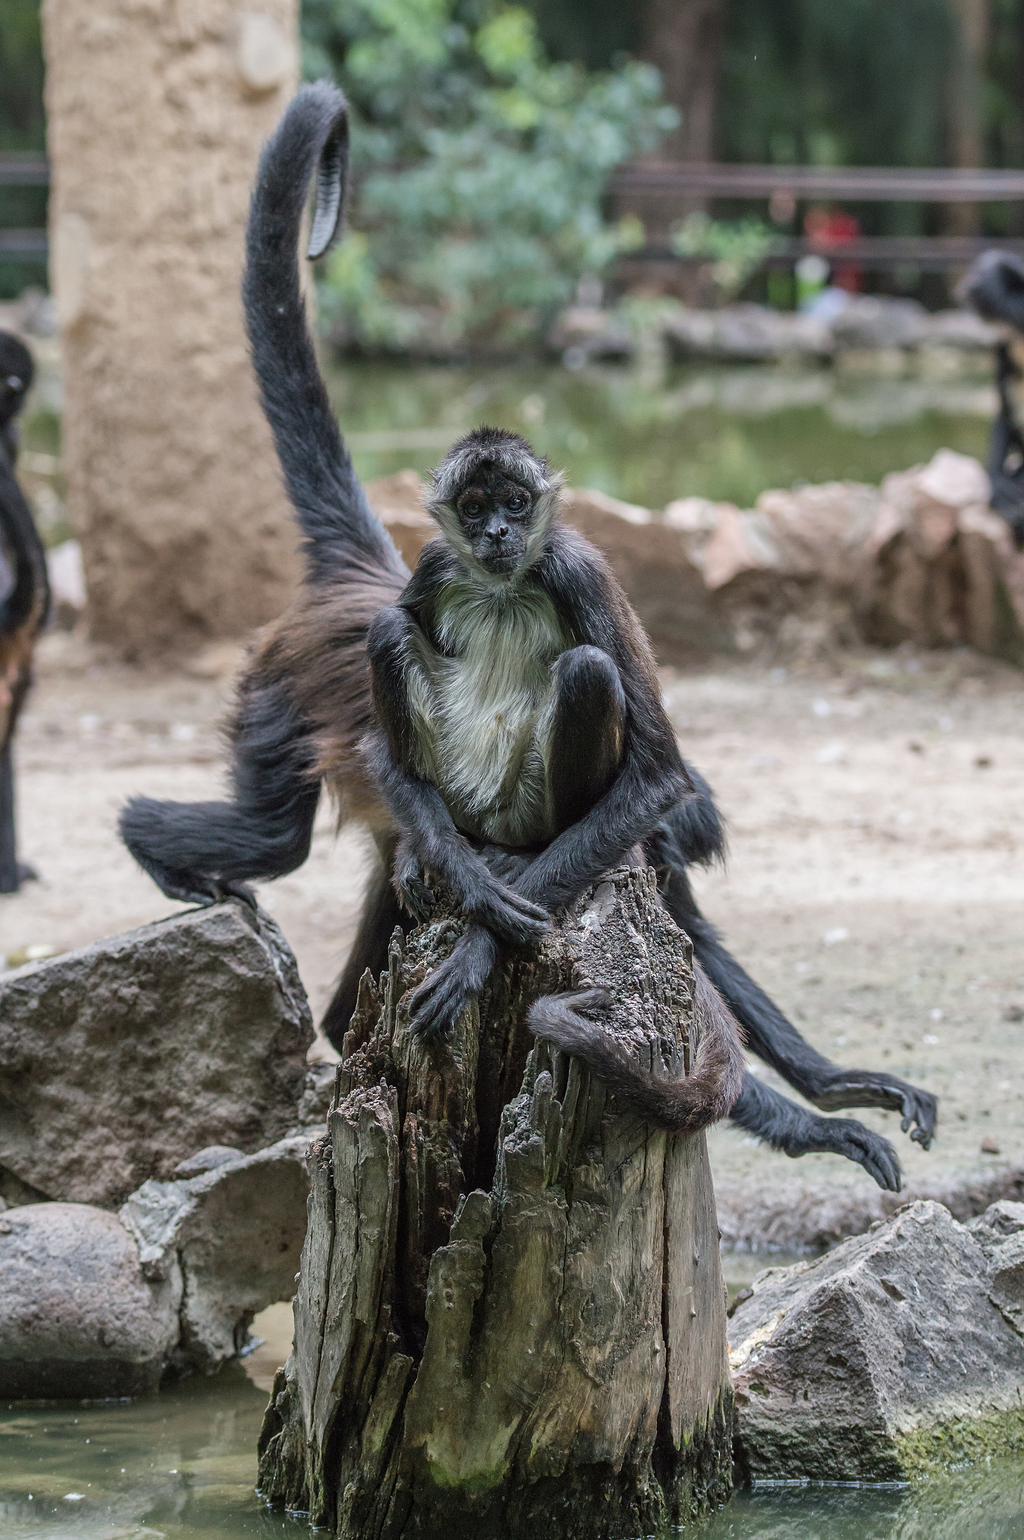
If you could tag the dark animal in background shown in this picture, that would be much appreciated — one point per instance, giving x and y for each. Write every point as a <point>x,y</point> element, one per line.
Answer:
<point>995,287</point>
<point>24,595</point>
<point>305,718</point>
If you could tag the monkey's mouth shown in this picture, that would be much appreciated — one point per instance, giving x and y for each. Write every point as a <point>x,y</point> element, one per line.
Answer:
<point>499,562</point>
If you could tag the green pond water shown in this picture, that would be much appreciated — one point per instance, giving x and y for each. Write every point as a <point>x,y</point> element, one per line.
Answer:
<point>182,1465</point>
<point>720,433</point>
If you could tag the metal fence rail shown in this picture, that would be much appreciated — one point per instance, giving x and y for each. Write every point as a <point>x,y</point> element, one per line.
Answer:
<point>853,184</point>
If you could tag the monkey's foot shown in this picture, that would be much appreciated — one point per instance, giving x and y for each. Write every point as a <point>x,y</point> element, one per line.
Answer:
<point>196,887</point>
<point>845,1136</point>
<point>874,1088</point>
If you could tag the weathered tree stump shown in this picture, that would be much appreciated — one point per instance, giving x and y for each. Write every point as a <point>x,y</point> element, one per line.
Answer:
<point>511,1309</point>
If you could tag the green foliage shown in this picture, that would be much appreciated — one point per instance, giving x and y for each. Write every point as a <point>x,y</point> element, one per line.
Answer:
<point>735,247</point>
<point>479,169</point>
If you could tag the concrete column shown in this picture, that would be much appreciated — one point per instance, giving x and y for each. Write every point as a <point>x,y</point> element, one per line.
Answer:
<point>156,112</point>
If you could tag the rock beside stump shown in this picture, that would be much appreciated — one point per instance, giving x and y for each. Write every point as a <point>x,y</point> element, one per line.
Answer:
<point>511,1310</point>
<point>119,1060</point>
<point>98,1305</point>
<point>77,1316</point>
<point>890,1357</point>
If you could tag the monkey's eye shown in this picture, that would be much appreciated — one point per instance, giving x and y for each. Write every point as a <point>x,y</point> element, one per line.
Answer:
<point>516,503</point>
<point>472,510</point>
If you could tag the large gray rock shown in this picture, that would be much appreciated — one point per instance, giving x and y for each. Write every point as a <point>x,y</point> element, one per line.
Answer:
<point>77,1316</point>
<point>94,1304</point>
<point>235,1234</point>
<point>119,1060</point>
<point>886,1357</point>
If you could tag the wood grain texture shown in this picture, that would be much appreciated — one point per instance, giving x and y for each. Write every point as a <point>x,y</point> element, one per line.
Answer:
<point>511,1310</point>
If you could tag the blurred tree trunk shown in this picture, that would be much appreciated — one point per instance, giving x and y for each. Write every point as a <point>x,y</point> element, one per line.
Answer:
<point>966,122</point>
<point>156,114</point>
<point>683,39</point>
<point>510,1316</point>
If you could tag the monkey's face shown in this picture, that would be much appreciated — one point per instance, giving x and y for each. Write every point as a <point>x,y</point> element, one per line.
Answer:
<point>495,514</point>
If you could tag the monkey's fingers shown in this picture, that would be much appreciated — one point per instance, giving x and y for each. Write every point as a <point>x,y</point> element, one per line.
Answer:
<point>845,1136</point>
<point>415,896</point>
<point>436,1005</point>
<point>509,917</point>
<point>875,1088</point>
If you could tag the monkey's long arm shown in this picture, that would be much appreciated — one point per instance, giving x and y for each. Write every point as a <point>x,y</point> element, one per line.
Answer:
<point>692,834</point>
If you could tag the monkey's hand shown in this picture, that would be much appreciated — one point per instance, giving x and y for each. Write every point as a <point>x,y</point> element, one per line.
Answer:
<point>505,864</point>
<point>513,919</point>
<point>845,1136</point>
<point>874,1088</point>
<point>436,1005</point>
<point>413,892</point>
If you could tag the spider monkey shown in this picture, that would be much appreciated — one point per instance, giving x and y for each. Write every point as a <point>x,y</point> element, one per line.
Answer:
<point>591,771</point>
<point>995,287</point>
<point>24,595</point>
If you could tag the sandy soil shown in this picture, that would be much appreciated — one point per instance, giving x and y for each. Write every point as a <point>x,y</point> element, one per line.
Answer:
<point>874,886</point>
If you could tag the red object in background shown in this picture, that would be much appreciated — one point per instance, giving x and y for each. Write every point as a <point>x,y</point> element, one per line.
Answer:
<point>827,230</point>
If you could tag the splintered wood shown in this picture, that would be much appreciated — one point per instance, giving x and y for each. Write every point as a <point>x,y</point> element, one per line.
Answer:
<point>510,1311</point>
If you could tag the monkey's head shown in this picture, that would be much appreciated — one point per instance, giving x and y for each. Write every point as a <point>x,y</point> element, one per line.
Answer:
<point>494,498</point>
<point>16,370</point>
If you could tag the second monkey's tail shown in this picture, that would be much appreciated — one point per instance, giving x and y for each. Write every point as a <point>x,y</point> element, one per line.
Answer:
<point>681,1104</point>
<point>343,538</point>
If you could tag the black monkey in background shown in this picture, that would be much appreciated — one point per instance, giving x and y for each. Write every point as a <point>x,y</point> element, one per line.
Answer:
<point>995,287</point>
<point>304,715</point>
<point>24,595</point>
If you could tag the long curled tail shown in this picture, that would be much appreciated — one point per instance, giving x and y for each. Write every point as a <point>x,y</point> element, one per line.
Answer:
<point>682,1104</point>
<point>341,532</point>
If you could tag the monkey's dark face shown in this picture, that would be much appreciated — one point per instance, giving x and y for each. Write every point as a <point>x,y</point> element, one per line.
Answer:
<point>495,514</point>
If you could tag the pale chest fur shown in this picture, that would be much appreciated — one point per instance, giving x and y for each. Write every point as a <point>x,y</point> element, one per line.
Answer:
<point>483,706</point>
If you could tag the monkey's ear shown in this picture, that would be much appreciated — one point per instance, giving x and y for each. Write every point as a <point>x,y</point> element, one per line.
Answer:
<point>331,179</point>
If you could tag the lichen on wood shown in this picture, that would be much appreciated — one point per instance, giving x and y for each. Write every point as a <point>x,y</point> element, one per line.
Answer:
<point>510,1307</point>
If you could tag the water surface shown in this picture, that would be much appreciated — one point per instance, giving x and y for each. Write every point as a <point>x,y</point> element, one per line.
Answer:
<point>181,1465</point>
<point>721,433</point>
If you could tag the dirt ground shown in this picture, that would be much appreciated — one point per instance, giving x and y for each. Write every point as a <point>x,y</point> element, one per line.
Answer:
<point>874,885</point>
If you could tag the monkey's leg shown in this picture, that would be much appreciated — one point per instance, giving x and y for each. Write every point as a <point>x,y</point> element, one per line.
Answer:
<point>774,1038</point>
<point>9,875</point>
<point>796,1131</point>
<point>198,851</point>
<point>381,913</point>
<point>586,732</point>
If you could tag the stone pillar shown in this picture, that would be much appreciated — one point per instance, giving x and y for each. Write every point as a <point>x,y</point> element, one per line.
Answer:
<point>157,110</point>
